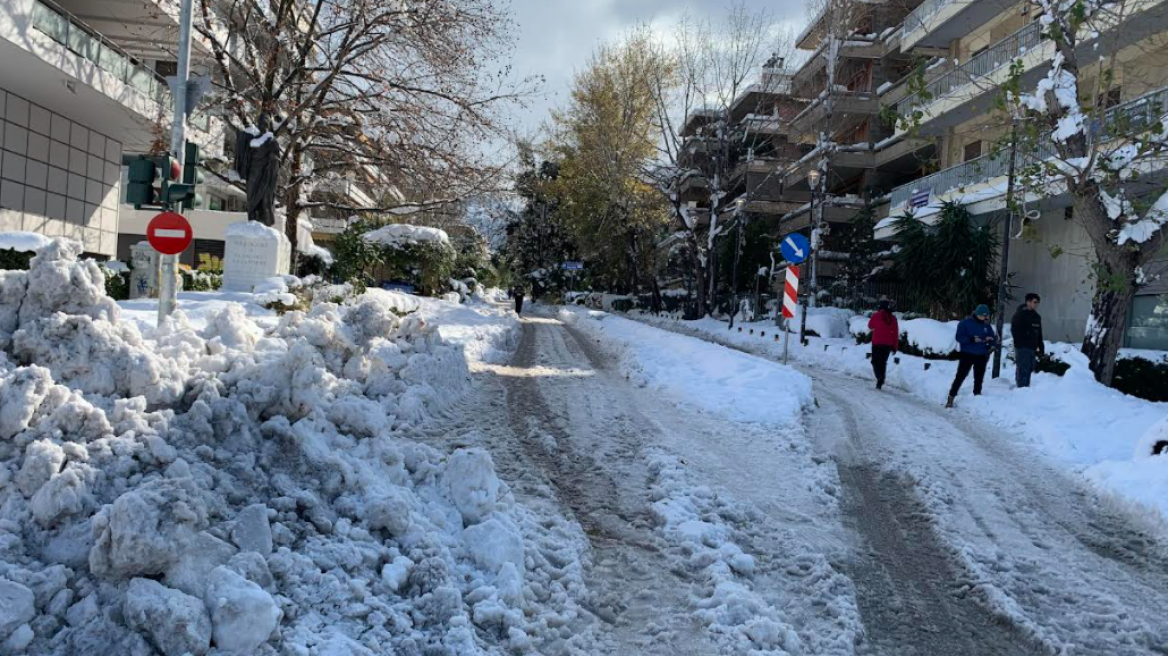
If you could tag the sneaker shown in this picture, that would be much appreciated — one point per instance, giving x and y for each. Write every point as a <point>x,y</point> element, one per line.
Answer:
<point>949,404</point>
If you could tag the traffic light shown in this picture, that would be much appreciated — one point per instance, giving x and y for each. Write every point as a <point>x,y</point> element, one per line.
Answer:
<point>140,190</point>
<point>192,177</point>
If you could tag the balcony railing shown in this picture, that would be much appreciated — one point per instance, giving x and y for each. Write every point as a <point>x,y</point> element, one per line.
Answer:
<point>83,41</point>
<point>1000,54</point>
<point>1129,117</point>
<point>922,13</point>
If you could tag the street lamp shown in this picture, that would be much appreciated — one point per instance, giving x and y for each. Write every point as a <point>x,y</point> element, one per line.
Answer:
<point>813,178</point>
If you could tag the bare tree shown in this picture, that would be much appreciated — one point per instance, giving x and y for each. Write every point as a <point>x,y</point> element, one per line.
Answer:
<point>380,92</point>
<point>700,142</point>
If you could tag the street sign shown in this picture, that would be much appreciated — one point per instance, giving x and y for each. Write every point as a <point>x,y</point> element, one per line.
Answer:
<point>795,248</point>
<point>169,233</point>
<point>572,266</point>
<point>791,292</point>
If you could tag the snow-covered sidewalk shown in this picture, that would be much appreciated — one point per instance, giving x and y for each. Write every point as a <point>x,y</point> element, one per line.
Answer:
<point>1096,431</point>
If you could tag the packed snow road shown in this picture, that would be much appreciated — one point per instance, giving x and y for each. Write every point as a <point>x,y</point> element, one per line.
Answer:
<point>972,543</point>
<point>680,560</point>
<point>883,526</point>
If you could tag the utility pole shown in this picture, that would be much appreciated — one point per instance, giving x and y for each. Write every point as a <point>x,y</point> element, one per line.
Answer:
<point>168,264</point>
<point>1007,228</point>
<point>813,178</point>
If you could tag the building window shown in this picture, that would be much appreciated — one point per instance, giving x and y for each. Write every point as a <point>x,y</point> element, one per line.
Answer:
<point>1148,327</point>
<point>972,151</point>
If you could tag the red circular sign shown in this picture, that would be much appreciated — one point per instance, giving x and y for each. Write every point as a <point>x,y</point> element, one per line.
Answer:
<point>169,233</point>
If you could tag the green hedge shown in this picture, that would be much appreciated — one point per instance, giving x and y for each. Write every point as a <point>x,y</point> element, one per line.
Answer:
<point>1142,378</point>
<point>117,285</point>
<point>907,348</point>
<point>15,260</point>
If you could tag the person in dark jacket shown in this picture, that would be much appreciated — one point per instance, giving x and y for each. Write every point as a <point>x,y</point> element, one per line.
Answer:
<point>1026,327</point>
<point>517,293</point>
<point>885,340</point>
<point>976,338</point>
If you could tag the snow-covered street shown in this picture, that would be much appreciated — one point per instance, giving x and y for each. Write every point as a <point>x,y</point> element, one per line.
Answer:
<point>871,523</point>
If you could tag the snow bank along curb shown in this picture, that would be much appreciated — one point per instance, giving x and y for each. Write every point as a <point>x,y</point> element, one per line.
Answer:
<point>739,386</point>
<point>1064,417</point>
<point>245,490</point>
<point>705,528</point>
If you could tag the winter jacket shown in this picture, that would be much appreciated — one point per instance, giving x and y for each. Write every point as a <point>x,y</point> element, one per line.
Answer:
<point>969,329</point>
<point>1027,328</point>
<point>885,330</point>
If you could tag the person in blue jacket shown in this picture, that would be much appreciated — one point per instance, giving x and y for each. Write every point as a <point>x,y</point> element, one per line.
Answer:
<point>976,338</point>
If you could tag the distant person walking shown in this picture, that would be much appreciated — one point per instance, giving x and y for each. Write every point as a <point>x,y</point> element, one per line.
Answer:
<point>1026,327</point>
<point>885,340</point>
<point>976,337</point>
<point>517,294</point>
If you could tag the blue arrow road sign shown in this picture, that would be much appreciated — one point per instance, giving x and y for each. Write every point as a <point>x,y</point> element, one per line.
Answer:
<point>795,248</point>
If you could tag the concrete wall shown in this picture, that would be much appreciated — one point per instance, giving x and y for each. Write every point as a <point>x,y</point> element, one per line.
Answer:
<point>1065,282</point>
<point>57,177</point>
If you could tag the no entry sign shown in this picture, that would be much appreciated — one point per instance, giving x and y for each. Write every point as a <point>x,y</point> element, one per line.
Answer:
<point>169,233</point>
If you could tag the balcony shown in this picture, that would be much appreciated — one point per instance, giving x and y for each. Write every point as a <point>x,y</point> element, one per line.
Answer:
<point>975,76</point>
<point>82,40</point>
<point>846,105</point>
<point>935,23</point>
<point>978,179</point>
<point>62,63</point>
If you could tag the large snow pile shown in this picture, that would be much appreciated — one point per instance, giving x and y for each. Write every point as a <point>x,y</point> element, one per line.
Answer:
<point>825,322</point>
<point>240,489</point>
<point>400,234</point>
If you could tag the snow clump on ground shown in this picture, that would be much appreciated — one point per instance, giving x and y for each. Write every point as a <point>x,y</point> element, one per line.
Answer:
<point>244,490</point>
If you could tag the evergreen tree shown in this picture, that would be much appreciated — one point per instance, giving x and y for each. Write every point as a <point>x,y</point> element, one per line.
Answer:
<point>947,268</point>
<point>857,241</point>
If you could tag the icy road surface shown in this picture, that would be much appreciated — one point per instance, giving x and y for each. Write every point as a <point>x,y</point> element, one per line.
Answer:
<point>881,526</point>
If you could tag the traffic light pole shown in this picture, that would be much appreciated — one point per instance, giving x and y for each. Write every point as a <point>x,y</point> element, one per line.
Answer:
<point>167,292</point>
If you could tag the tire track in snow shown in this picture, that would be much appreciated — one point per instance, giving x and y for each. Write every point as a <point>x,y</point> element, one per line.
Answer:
<point>1075,571</point>
<point>912,594</point>
<point>635,588</point>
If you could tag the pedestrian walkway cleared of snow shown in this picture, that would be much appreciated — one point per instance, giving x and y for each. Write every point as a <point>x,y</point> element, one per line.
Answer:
<point>1099,432</point>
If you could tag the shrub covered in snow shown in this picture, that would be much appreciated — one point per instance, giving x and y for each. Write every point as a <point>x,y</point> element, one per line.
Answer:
<point>242,489</point>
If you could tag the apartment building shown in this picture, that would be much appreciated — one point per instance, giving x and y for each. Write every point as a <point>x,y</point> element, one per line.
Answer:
<point>854,53</point>
<point>984,38</point>
<point>82,87</point>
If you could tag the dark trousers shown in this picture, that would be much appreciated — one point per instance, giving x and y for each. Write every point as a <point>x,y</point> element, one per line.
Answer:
<point>1024,358</point>
<point>880,355</point>
<point>519,304</point>
<point>970,361</point>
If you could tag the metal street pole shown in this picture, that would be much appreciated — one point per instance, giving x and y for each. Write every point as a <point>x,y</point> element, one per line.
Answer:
<point>813,178</point>
<point>1007,228</point>
<point>168,264</point>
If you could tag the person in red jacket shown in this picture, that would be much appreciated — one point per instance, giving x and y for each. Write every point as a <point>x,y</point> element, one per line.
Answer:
<point>885,340</point>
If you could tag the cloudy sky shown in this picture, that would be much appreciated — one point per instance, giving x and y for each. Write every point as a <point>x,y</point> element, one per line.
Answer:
<point>556,37</point>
